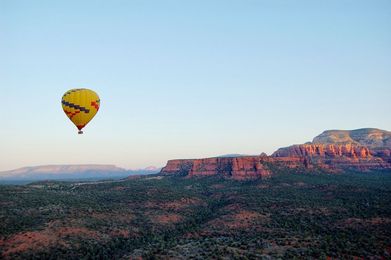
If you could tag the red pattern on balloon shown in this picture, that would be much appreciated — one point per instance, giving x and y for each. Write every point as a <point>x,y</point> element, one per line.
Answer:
<point>72,114</point>
<point>95,104</point>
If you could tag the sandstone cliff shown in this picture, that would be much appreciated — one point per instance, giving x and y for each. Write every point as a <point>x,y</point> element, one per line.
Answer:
<point>335,157</point>
<point>376,140</point>
<point>361,149</point>
<point>324,150</point>
<point>332,151</point>
<point>248,167</point>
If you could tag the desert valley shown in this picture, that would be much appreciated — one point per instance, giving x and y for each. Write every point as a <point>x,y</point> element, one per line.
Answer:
<point>326,198</point>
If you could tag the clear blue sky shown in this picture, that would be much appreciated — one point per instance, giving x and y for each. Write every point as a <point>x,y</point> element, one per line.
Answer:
<point>188,79</point>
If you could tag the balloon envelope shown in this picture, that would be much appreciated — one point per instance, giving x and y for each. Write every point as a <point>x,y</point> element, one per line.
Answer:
<point>80,105</point>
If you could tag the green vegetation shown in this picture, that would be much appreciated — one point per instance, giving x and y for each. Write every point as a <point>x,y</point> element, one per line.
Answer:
<point>289,215</point>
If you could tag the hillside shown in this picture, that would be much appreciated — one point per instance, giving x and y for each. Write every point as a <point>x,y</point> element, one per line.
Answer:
<point>285,216</point>
<point>371,138</point>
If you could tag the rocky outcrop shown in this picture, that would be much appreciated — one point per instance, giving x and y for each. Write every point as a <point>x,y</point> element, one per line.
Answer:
<point>177,167</point>
<point>239,168</point>
<point>351,151</point>
<point>371,138</point>
<point>332,151</point>
<point>334,157</point>
<point>362,149</point>
<point>376,140</point>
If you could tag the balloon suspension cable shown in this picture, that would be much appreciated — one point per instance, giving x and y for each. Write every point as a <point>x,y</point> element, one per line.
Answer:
<point>80,132</point>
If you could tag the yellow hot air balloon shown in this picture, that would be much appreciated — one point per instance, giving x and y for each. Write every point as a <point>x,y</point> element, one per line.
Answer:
<point>80,105</point>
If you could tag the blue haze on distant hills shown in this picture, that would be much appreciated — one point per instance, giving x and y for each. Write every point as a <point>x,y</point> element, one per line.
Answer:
<point>69,173</point>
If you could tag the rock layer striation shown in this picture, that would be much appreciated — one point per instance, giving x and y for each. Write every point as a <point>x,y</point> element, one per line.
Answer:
<point>332,151</point>
<point>248,167</point>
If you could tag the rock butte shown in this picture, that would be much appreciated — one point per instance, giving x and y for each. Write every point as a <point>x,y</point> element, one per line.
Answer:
<point>332,151</point>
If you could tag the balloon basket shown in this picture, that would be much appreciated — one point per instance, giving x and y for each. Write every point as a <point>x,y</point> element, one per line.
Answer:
<point>80,132</point>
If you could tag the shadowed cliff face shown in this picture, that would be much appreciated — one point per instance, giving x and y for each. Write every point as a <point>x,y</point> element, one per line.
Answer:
<point>332,151</point>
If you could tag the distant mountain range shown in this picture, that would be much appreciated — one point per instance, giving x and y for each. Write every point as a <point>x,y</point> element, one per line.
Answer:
<point>71,172</point>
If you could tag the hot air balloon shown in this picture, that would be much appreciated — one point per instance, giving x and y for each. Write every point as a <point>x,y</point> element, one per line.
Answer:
<point>80,105</point>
